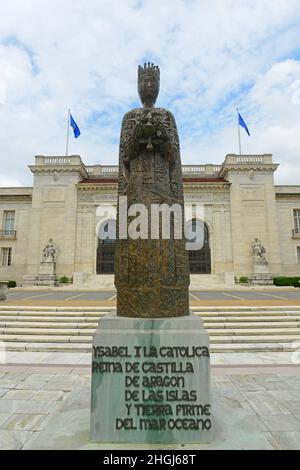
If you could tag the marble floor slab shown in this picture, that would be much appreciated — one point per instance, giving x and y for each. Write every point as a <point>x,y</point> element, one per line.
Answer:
<point>45,402</point>
<point>252,410</point>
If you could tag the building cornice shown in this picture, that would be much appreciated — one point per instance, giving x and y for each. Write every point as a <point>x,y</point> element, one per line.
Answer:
<point>282,191</point>
<point>287,196</point>
<point>244,167</point>
<point>16,191</point>
<point>55,170</point>
<point>15,198</point>
<point>206,186</point>
<point>59,164</point>
<point>98,187</point>
<point>245,163</point>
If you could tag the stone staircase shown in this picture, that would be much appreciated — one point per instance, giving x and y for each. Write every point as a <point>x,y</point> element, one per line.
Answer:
<point>70,329</point>
<point>107,281</point>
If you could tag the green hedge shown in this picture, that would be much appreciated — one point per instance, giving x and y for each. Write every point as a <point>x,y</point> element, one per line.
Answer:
<point>244,280</point>
<point>11,284</point>
<point>286,281</point>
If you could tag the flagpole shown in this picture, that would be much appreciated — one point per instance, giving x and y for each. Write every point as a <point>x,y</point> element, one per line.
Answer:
<point>239,132</point>
<point>68,130</point>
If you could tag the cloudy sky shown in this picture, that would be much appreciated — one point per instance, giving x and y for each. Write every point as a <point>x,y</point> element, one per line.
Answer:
<point>214,55</point>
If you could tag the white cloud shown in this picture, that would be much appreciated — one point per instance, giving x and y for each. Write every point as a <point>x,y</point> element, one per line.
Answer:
<point>214,55</point>
<point>277,118</point>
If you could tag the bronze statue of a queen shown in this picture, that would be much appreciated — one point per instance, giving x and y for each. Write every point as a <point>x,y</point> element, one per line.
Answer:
<point>151,271</point>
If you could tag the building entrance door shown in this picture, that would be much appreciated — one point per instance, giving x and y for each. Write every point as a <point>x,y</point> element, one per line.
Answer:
<point>106,250</point>
<point>199,260</point>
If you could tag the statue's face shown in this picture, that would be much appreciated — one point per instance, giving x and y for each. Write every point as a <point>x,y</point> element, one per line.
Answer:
<point>148,89</point>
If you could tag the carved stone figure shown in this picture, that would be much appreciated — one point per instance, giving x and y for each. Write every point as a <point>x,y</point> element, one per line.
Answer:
<point>258,251</point>
<point>49,252</point>
<point>151,275</point>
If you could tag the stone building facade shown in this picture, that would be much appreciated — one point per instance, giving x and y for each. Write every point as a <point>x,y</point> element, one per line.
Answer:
<point>70,201</point>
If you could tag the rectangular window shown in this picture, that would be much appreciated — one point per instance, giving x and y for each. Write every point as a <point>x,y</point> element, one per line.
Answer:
<point>297,220</point>
<point>6,256</point>
<point>298,254</point>
<point>9,222</point>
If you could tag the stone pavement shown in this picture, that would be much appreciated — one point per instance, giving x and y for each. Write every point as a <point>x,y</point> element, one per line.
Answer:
<point>235,296</point>
<point>45,402</point>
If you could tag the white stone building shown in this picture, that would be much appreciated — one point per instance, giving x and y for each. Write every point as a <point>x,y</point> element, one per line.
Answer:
<point>68,202</point>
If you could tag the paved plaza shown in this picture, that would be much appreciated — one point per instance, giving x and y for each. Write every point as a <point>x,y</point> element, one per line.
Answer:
<point>238,296</point>
<point>45,402</point>
<point>45,396</point>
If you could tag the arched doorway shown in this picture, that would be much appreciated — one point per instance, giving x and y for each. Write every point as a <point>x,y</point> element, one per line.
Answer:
<point>106,248</point>
<point>199,259</point>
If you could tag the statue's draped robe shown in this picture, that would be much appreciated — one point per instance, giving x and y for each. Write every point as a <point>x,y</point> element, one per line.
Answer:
<point>151,276</point>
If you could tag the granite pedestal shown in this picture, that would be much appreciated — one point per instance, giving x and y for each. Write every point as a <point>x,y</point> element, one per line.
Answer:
<point>47,274</point>
<point>3,290</point>
<point>262,279</point>
<point>151,381</point>
<point>262,275</point>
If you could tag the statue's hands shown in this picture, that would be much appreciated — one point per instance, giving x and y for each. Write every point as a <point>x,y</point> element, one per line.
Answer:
<point>161,131</point>
<point>147,131</point>
<point>137,130</point>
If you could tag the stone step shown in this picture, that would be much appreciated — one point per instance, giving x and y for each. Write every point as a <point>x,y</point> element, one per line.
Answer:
<point>205,309</point>
<point>246,315</point>
<point>50,320</point>
<point>209,316</point>
<point>227,323</point>
<point>288,315</point>
<point>245,308</point>
<point>97,308</point>
<point>60,323</point>
<point>5,307</point>
<point>78,331</point>
<point>90,328</point>
<point>231,329</point>
<point>253,347</point>
<point>6,338</point>
<point>49,347</point>
<point>255,339</point>
<point>17,313</point>
<point>215,348</point>
<point>46,339</point>
<point>41,308</point>
<point>253,319</point>
<point>46,332</point>
<point>50,325</point>
<point>81,347</point>
<point>254,331</point>
<point>251,325</point>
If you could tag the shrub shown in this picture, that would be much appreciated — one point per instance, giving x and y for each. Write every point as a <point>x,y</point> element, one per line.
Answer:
<point>244,280</point>
<point>64,280</point>
<point>11,284</point>
<point>286,281</point>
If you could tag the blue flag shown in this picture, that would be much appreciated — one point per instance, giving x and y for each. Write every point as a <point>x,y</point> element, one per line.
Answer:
<point>74,126</point>
<point>243,124</point>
